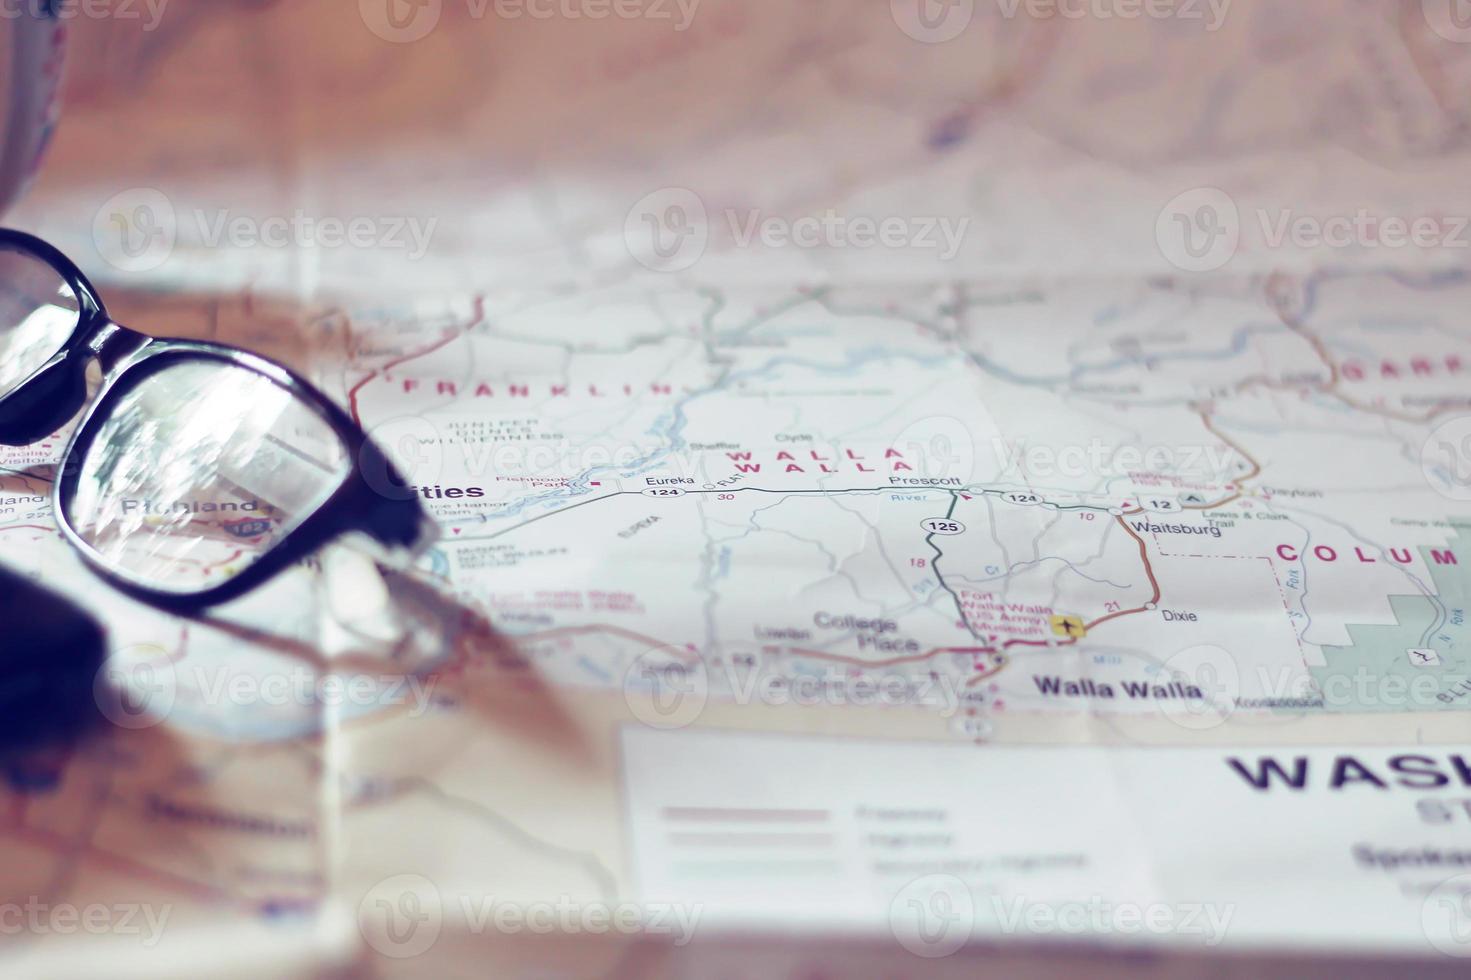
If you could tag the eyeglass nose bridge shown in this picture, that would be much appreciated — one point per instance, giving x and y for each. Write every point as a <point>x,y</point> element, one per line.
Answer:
<point>54,395</point>
<point>113,344</point>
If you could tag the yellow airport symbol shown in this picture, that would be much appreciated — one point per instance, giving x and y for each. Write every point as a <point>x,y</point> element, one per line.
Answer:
<point>1069,626</point>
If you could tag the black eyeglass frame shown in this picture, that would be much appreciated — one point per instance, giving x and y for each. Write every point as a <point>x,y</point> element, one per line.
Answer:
<point>372,498</point>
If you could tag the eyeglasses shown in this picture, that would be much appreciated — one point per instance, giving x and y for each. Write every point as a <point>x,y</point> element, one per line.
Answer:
<point>199,470</point>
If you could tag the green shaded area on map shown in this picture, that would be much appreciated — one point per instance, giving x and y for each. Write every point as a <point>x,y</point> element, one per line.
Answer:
<point>1393,667</point>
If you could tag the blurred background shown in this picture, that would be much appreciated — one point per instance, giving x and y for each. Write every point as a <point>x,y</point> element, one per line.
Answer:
<point>474,143</point>
<point>338,182</point>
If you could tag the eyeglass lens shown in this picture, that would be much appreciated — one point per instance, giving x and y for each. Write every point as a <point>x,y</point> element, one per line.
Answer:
<point>199,470</point>
<point>38,312</point>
